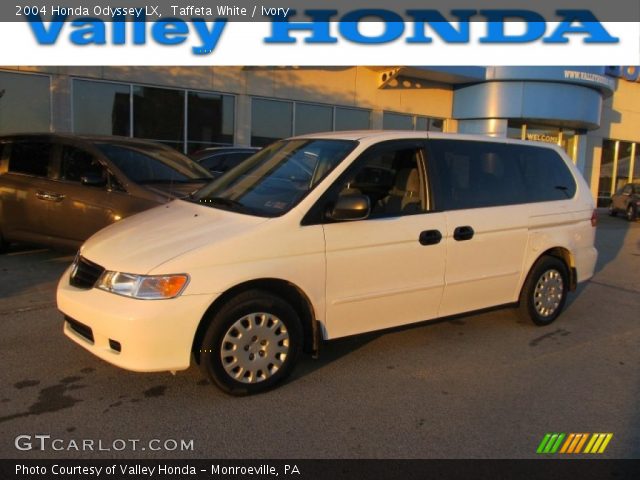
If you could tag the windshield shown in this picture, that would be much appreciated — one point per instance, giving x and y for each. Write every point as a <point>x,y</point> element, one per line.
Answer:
<point>154,164</point>
<point>275,179</point>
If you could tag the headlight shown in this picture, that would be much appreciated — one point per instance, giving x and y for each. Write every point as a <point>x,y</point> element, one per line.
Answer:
<point>146,287</point>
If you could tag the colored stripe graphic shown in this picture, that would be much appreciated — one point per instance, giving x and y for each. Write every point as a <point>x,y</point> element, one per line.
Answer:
<point>582,442</point>
<point>543,443</point>
<point>598,442</point>
<point>573,443</point>
<point>551,443</point>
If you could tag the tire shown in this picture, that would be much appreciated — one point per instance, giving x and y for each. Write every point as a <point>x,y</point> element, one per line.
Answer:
<point>545,291</point>
<point>252,343</point>
<point>631,213</point>
<point>612,211</point>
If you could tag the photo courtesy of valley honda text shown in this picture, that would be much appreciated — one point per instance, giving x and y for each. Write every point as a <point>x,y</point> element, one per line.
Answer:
<point>315,240</point>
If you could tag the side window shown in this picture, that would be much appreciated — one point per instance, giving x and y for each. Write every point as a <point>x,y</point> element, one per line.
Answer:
<point>115,185</point>
<point>30,158</point>
<point>391,177</point>
<point>628,190</point>
<point>213,163</point>
<point>77,163</point>
<point>470,174</point>
<point>546,176</point>
<point>233,159</point>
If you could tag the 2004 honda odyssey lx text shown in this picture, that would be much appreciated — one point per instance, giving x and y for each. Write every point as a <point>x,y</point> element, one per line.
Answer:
<point>328,235</point>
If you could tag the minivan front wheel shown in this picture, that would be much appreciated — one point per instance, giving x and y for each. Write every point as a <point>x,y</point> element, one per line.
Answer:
<point>251,344</point>
<point>631,213</point>
<point>545,291</point>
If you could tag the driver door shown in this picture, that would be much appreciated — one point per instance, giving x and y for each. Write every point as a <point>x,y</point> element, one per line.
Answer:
<point>388,269</point>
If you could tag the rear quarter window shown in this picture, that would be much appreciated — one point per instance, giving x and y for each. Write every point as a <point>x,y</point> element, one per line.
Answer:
<point>475,174</point>
<point>30,158</point>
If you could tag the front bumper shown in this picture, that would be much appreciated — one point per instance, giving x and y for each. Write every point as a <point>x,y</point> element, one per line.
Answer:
<point>153,335</point>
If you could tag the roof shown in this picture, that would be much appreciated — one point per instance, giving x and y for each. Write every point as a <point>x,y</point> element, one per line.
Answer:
<point>382,135</point>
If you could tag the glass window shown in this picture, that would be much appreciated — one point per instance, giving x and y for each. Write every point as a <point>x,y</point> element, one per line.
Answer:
<point>101,108</point>
<point>515,130</point>
<point>30,158</point>
<point>624,163</point>
<point>606,172</point>
<point>78,163</point>
<point>352,119</point>
<point>270,121</point>
<point>390,176</point>
<point>158,114</point>
<point>222,162</point>
<point>313,118</point>
<point>473,174</point>
<point>160,165</point>
<point>275,179</point>
<point>436,125</point>
<point>429,124</point>
<point>397,121</point>
<point>24,103</point>
<point>211,120</point>
<point>636,165</point>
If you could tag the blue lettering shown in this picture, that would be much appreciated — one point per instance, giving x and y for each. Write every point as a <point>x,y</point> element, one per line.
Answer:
<point>209,38</point>
<point>590,26</point>
<point>44,36</point>
<point>394,26</point>
<point>170,31</point>
<point>91,31</point>
<point>535,26</point>
<point>119,30</point>
<point>319,27</point>
<point>440,25</point>
<point>139,30</point>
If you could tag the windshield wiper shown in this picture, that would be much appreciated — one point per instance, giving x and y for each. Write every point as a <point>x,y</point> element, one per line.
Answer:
<point>224,202</point>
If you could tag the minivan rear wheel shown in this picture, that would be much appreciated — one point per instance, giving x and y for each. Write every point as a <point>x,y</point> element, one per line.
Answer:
<point>545,291</point>
<point>251,344</point>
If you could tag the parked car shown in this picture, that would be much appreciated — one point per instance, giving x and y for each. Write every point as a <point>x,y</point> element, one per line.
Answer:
<point>626,201</point>
<point>58,190</point>
<point>219,160</point>
<point>323,236</point>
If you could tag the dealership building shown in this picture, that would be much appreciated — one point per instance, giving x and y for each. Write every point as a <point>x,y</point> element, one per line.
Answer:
<point>591,112</point>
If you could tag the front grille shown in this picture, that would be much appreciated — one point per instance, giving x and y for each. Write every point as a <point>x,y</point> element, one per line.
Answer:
<point>80,328</point>
<point>85,274</point>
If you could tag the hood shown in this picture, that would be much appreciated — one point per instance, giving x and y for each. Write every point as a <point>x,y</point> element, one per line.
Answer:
<point>141,242</point>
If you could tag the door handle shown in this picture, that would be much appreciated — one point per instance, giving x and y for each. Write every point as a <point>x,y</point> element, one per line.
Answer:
<point>430,237</point>
<point>463,233</point>
<point>49,196</point>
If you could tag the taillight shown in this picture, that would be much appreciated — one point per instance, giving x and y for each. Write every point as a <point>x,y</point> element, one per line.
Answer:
<point>594,218</point>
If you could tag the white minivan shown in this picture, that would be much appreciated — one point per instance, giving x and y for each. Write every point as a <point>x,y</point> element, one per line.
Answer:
<point>327,235</point>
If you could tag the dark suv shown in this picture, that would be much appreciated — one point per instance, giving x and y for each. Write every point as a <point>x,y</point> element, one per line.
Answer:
<point>57,190</point>
<point>627,201</point>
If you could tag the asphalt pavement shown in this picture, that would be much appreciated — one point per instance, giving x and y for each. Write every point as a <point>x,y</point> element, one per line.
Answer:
<point>478,386</point>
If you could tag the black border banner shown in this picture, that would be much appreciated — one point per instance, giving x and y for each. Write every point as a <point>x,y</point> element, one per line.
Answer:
<point>543,468</point>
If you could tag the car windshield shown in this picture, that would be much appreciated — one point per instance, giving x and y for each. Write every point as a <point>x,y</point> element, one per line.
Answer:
<point>154,164</point>
<point>274,180</point>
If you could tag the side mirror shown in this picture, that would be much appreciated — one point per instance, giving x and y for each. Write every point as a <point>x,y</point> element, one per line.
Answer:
<point>350,207</point>
<point>93,180</point>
